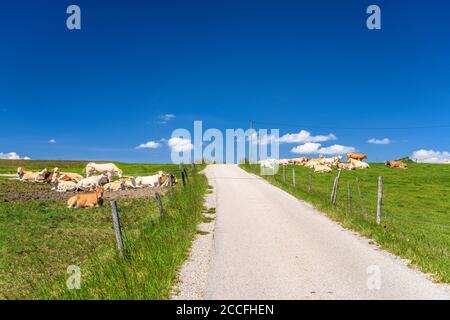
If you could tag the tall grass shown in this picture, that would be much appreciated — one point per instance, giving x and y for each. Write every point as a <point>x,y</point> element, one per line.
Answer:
<point>153,253</point>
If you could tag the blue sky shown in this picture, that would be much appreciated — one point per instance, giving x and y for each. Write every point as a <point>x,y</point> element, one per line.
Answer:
<point>294,65</point>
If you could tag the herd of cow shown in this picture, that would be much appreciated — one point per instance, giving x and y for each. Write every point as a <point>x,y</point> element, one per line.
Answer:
<point>99,178</point>
<point>323,165</point>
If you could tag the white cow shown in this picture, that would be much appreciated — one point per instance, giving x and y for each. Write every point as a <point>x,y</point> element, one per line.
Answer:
<point>110,169</point>
<point>359,164</point>
<point>321,168</point>
<point>334,161</point>
<point>89,184</point>
<point>63,186</point>
<point>130,182</point>
<point>268,163</point>
<point>149,181</point>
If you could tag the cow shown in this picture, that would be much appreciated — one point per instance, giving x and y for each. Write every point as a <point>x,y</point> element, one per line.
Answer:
<point>320,168</point>
<point>30,176</point>
<point>396,164</point>
<point>130,182</point>
<point>115,186</point>
<point>299,161</point>
<point>63,186</point>
<point>110,169</point>
<point>67,176</point>
<point>89,184</point>
<point>165,180</point>
<point>334,161</point>
<point>356,156</point>
<point>149,181</point>
<point>346,166</point>
<point>357,164</point>
<point>312,163</point>
<point>87,200</point>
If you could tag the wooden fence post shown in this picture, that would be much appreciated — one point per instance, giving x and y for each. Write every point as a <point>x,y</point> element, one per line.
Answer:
<point>193,167</point>
<point>380,199</point>
<point>170,180</point>
<point>336,188</point>
<point>310,183</point>
<point>293,176</point>
<point>117,227</point>
<point>160,205</point>
<point>183,178</point>
<point>361,199</point>
<point>185,174</point>
<point>284,172</point>
<point>349,198</point>
<point>333,189</point>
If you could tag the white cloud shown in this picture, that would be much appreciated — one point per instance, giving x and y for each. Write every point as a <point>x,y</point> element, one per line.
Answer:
<point>149,145</point>
<point>431,156</point>
<point>307,148</point>
<point>316,148</point>
<point>177,144</point>
<point>52,141</point>
<point>166,118</point>
<point>11,156</point>
<point>304,136</point>
<point>379,141</point>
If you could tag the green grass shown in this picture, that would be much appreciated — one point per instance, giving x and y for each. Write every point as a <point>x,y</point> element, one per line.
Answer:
<point>416,208</point>
<point>40,239</point>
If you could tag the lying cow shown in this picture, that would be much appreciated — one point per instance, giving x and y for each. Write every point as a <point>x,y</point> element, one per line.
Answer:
<point>334,161</point>
<point>115,186</point>
<point>30,176</point>
<point>346,166</point>
<point>356,156</point>
<point>359,164</point>
<point>312,163</point>
<point>87,200</point>
<point>67,176</point>
<point>396,164</point>
<point>63,186</point>
<point>89,184</point>
<point>130,182</point>
<point>320,168</point>
<point>150,181</point>
<point>110,169</point>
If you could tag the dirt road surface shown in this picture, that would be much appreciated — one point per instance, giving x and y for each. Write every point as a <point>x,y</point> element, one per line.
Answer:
<point>270,245</point>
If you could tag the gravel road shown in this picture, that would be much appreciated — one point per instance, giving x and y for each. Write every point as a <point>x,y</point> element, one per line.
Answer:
<point>270,245</point>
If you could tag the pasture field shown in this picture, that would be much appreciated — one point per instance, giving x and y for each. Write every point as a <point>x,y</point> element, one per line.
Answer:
<point>40,238</point>
<point>416,208</point>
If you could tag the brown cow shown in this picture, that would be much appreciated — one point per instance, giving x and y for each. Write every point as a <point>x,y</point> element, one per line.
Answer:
<point>86,200</point>
<point>356,156</point>
<point>396,164</point>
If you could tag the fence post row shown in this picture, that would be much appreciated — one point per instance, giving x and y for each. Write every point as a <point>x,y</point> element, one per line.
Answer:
<point>380,199</point>
<point>160,205</point>
<point>117,227</point>
<point>170,180</point>
<point>193,167</point>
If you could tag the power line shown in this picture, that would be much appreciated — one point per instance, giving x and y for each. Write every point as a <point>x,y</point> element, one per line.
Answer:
<point>354,128</point>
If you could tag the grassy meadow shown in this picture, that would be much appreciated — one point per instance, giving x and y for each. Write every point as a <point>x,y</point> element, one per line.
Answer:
<point>416,208</point>
<point>39,240</point>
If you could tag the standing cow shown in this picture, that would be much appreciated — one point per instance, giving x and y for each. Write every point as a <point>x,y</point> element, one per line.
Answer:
<point>110,169</point>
